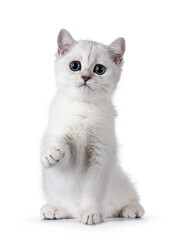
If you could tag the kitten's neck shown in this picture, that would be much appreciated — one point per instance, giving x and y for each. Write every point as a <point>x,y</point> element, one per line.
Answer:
<point>97,102</point>
<point>104,106</point>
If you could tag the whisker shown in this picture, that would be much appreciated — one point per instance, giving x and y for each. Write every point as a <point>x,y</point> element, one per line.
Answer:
<point>95,84</point>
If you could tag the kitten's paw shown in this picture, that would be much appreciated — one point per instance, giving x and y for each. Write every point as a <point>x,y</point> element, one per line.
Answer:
<point>132,211</point>
<point>52,156</point>
<point>52,212</point>
<point>90,216</point>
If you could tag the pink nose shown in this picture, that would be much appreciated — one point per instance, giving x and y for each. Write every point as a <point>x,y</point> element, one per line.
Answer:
<point>86,78</point>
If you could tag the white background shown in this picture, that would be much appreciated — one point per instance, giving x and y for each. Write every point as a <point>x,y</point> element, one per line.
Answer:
<point>147,100</point>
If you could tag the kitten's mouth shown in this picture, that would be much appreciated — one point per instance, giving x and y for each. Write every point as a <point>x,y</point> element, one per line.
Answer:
<point>84,85</point>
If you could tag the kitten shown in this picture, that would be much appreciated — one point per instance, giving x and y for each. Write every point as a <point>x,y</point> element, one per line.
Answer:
<point>81,177</point>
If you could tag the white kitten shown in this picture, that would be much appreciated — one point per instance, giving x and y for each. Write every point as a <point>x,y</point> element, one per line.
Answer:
<point>81,176</point>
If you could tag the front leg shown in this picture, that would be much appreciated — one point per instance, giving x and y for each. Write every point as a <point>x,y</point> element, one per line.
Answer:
<point>94,186</point>
<point>53,150</point>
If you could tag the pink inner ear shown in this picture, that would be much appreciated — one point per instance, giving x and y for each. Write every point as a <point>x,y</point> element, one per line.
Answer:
<point>62,50</point>
<point>118,59</point>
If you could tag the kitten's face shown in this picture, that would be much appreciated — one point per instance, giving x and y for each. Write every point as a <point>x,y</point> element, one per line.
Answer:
<point>86,69</point>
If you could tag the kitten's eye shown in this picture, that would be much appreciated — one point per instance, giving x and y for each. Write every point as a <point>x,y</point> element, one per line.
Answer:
<point>99,69</point>
<point>75,66</point>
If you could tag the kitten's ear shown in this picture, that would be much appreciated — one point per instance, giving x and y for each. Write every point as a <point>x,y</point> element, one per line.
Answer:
<point>116,50</point>
<point>64,41</point>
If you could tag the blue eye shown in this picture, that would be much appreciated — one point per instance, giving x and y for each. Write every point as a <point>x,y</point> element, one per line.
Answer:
<point>99,69</point>
<point>75,66</point>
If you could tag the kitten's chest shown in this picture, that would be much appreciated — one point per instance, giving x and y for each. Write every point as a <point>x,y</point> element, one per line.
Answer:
<point>81,117</point>
<point>80,123</point>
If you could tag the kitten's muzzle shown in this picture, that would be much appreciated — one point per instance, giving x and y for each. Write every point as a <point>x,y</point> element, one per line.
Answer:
<point>86,78</point>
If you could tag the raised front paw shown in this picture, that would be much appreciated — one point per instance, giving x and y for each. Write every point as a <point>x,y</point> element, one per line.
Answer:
<point>90,216</point>
<point>52,156</point>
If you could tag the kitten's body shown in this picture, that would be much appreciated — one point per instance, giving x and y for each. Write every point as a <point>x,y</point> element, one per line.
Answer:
<point>86,182</point>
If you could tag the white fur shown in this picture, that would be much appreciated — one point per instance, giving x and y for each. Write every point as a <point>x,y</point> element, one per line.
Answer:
<point>81,176</point>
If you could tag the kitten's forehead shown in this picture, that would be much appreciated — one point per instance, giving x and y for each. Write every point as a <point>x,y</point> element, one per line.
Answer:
<point>91,51</point>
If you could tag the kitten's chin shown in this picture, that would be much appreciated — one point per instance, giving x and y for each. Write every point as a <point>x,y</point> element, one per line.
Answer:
<point>84,91</point>
<point>87,93</point>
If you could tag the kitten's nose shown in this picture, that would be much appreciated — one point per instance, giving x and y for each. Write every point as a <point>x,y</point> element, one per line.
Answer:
<point>86,78</point>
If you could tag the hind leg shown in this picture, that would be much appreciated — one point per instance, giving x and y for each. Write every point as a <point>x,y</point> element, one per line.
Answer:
<point>133,210</point>
<point>53,211</point>
<point>122,199</point>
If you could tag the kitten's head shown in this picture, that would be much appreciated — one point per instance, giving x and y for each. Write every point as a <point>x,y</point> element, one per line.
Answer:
<point>86,69</point>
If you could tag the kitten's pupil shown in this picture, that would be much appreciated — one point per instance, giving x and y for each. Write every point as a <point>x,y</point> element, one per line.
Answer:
<point>75,66</point>
<point>99,69</point>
